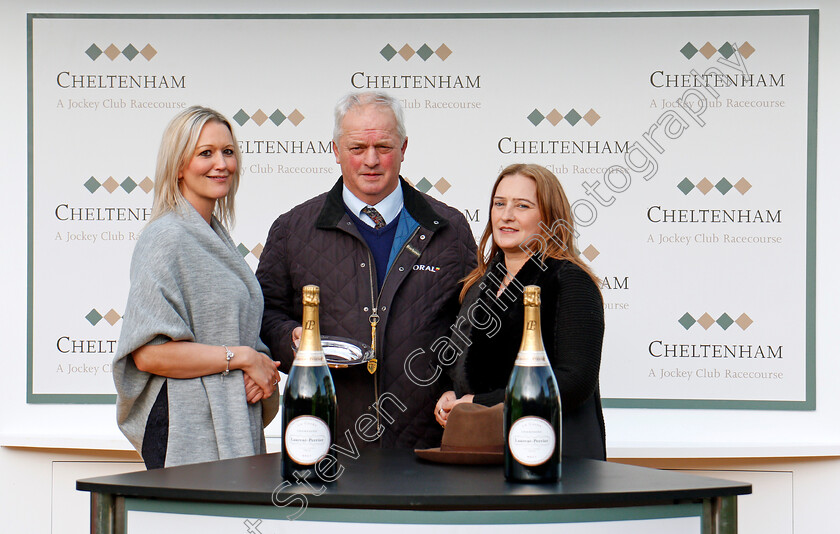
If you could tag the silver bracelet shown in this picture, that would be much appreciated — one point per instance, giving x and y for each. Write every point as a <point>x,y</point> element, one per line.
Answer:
<point>228,357</point>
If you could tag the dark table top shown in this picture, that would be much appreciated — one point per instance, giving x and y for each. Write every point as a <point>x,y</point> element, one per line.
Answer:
<point>397,479</point>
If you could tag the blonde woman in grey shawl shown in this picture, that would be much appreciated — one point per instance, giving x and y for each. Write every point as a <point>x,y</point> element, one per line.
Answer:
<point>192,376</point>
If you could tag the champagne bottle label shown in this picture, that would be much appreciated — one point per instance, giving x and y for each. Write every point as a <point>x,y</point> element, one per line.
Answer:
<point>307,439</point>
<point>531,358</point>
<point>531,440</point>
<point>309,358</point>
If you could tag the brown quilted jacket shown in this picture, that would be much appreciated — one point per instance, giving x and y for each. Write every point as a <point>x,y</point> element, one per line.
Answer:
<point>317,243</point>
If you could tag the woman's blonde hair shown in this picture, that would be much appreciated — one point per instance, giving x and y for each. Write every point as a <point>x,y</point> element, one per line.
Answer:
<point>557,230</point>
<point>176,148</point>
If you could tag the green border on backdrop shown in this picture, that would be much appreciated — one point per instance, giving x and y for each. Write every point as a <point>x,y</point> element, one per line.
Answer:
<point>811,214</point>
<point>417,517</point>
<point>36,398</point>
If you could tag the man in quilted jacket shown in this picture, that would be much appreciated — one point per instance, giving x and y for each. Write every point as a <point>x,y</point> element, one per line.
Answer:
<point>389,261</point>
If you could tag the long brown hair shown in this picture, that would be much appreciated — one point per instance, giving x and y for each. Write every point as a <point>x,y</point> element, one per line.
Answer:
<point>556,230</point>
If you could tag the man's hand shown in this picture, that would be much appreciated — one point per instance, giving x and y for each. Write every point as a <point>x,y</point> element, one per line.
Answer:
<point>296,333</point>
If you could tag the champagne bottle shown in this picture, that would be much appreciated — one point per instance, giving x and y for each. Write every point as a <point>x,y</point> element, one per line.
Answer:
<point>532,406</point>
<point>309,404</point>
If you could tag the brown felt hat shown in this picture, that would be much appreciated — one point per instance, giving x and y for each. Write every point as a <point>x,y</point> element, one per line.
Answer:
<point>473,435</point>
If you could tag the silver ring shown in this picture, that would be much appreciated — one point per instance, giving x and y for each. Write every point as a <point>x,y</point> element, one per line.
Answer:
<point>274,383</point>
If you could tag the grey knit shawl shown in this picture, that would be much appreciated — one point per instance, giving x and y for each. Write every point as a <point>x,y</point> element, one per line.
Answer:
<point>190,283</point>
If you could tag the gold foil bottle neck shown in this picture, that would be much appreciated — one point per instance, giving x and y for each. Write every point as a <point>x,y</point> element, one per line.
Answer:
<point>531,350</point>
<point>311,295</point>
<point>310,351</point>
<point>532,296</point>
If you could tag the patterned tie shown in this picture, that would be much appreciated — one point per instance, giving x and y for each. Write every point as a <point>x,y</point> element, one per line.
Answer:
<point>376,217</point>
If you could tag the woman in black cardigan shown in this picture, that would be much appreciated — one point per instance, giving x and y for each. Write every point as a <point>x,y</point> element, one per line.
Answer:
<point>531,242</point>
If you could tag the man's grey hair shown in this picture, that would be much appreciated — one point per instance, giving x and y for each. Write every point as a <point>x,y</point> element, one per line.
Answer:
<point>375,98</point>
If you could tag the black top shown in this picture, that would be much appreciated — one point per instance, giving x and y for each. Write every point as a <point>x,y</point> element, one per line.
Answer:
<point>396,479</point>
<point>572,317</point>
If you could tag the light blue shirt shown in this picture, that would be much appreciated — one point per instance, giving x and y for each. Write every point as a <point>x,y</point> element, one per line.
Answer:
<point>389,207</point>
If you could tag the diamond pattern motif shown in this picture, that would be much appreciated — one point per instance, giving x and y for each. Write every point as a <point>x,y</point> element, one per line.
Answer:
<point>112,52</point>
<point>685,186</point>
<point>726,50</point>
<point>443,52</point>
<point>704,186</point>
<point>535,117</point>
<point>423,185</point>
<point>590,253</point>
<point>687,321</point>
<point>425,52</point>
<point>128,185</point>
<point>555,117</point>
<point>591,117</point>
<point>443,186</point>
<point>296,117</point>
<point>688,50</point>
<point>744,321</point>
<point>708,50</point>
<point>112,317</point>
<point>742,186</point>
<point>723,186</point>
<point>93,52</point>
<point>93,317</point>
<point>407,52</point>
<point>707,321</point>
<point>110,184</point>
<point>130,52</point>
<point>256,250</point>
<point>277,117</point>
<point>746,50</point>
<point>147,185</point>
<point>148,52</point>
<point>241,117</point>
<point>259,117</point>
<point>92,185</point>
<point>388,52</point>
<point>725,321</point>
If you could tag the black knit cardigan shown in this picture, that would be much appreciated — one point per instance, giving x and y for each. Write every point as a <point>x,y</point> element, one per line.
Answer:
<point>572,316</point>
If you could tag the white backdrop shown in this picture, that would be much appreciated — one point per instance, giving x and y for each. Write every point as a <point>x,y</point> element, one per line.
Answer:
<point>674,211</point>
<point>625,425</point>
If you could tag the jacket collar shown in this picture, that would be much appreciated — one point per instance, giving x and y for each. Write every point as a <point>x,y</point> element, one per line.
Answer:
<point>413,201</point>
